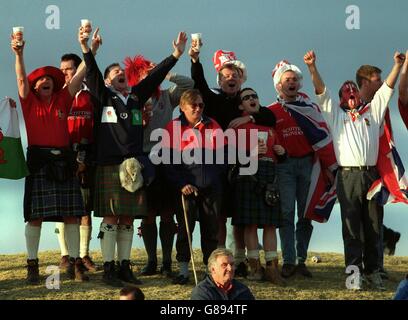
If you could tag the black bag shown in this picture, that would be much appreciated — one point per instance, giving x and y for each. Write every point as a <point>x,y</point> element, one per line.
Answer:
<point>272,197</point>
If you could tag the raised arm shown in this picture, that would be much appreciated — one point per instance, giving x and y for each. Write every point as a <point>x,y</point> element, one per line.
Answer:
<point>149,84</point>
<point>310,60</point>
<point>21,76</point>
<point>399,59</point>
<point>403,85</point>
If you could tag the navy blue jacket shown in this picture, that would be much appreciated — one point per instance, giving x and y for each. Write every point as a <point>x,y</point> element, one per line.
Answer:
<point>208,290</point>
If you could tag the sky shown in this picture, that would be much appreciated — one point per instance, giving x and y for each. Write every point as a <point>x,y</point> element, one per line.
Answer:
<point>344,35</point>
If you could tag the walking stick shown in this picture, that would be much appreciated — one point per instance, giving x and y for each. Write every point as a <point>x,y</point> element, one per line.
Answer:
<point>189,237</point>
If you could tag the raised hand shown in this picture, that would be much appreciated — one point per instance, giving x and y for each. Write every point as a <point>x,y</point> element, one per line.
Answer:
<point>399,58</point>
<point>96,41</point>
<point>179,45</point>
<point>309,58</point>
<point>17,49</point>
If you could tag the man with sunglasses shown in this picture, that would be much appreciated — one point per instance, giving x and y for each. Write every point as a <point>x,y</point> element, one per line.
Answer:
<point>222,105</point>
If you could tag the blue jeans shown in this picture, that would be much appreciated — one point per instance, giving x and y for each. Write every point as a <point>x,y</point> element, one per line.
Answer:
<point>294,180</point>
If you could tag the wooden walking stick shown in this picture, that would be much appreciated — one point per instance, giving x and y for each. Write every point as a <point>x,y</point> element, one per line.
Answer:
<point>189,237</point>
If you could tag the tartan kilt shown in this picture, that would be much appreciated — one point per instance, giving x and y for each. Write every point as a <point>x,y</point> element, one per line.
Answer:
<point>250,205</point>
<point>111,199</point>
<point>50,200</point>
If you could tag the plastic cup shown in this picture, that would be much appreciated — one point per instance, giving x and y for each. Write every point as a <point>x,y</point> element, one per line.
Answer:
<point>262,137</point>
<point>196,37</point>
<point>18,34</point>
<point>87,25</point>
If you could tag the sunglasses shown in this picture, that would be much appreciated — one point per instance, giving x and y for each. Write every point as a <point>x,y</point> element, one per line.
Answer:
<point>198,105</point>
<point>249,96</point>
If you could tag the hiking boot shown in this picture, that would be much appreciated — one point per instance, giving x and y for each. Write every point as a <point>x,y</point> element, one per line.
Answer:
<point>272,273</point>
<point>241,270</point>
<point>255,270</point>
<point>33,274</point>
<point>110,275</point>
<point>76,270</point>
<point>375,281</point>
<point>126,273</point>
<point>89,264</point>
<point>64,263</point>
<point>302,270</point>
<point>149,269</point>
<point>288,270</point>
<point>180,279</point>
<point>166,270</point>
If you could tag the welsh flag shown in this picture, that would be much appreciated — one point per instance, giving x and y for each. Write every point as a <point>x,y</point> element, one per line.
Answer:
<point>12,161</point>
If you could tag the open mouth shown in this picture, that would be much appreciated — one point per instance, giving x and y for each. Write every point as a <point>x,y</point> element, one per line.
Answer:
<point>253,104</point>
<point>121,80</point>
<point>46,88</point>
<point>231,85</point>
<point>292,88</point>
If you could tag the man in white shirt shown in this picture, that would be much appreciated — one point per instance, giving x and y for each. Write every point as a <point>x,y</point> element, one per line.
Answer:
<point>355,127</point>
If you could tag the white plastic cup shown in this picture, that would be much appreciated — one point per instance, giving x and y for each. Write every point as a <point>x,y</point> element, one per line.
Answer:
<point>18,34</point>
<point>262,136</point>
<point>87,25</point>
<point>197,37</point>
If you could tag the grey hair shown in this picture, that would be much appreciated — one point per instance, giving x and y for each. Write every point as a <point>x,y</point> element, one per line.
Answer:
<point>220,252</point>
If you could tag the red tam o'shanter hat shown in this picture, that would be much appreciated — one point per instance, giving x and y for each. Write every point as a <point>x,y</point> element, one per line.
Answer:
<point>56,74</point>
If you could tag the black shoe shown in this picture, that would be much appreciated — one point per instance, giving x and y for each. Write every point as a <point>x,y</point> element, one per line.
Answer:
<point>149,269</point>
<point>288,270</point>
<point>126,273</point>
<point>166,270</point>
<point>110,275</point>
<point>180,279</point>
<point>302,270</point>
<point>241,270</point>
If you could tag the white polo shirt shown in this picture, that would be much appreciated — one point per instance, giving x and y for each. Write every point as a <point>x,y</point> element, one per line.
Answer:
<point>356,142</point>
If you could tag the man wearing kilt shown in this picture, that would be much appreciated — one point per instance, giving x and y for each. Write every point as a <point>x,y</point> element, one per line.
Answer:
<point>253,209</point>
<point>51,190</point>
<point>119,136</point>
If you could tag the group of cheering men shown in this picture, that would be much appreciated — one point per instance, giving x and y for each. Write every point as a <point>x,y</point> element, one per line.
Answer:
<point>83,126</point>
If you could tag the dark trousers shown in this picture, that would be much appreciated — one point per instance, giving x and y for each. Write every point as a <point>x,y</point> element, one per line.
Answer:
<point>203,208</point>
<point>361,219</point>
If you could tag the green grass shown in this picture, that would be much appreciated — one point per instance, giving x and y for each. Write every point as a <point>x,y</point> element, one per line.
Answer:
<point>328,281</point>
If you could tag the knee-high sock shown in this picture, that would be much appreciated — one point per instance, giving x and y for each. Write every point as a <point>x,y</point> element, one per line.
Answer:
<point>124,241</point>
<point>32,236</point>
<point>84,236</point>
<point>60,231</point>
<point>107,235</point>
<point>72,238</point>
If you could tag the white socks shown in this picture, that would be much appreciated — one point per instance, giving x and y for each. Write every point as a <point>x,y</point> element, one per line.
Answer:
<point>124,240</point>
<point>270,255</point>
<point>253,254</point>
<point>32,236</point>
<point>60,231</point>
<point>108,233</point>
<point>85,236</point>
<point>72,239</point>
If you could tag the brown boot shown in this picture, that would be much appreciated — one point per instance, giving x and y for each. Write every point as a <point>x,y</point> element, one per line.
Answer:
<point>272,273</point>
<point>89,264</point>
<point>33,274</point>
<point>64,263</point>
<point>76,269</point>
<point>255,270</point>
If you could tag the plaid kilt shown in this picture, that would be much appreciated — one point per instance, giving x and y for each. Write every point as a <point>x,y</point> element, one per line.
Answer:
<point>49,200</point>
<point>250,205</point>
<point>111,199</point>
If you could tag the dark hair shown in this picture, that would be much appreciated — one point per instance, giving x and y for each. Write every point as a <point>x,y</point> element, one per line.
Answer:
<point>136,293</point>
<point>365,72</point>
<point>108,69</point>
<point>231,66</point>
<point>347,82</point>
<point>189,96</point>
<point>72,56</point>
<point>242,90</point>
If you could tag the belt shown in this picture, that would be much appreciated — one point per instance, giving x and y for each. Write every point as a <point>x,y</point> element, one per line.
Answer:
<point>358,168</point>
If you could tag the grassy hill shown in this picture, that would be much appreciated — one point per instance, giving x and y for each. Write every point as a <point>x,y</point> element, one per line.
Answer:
<point>328,281</point>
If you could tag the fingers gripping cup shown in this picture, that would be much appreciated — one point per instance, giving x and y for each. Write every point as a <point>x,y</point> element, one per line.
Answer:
<point>18,35</point>
<point>196,41</point>
<point>87,27</point>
